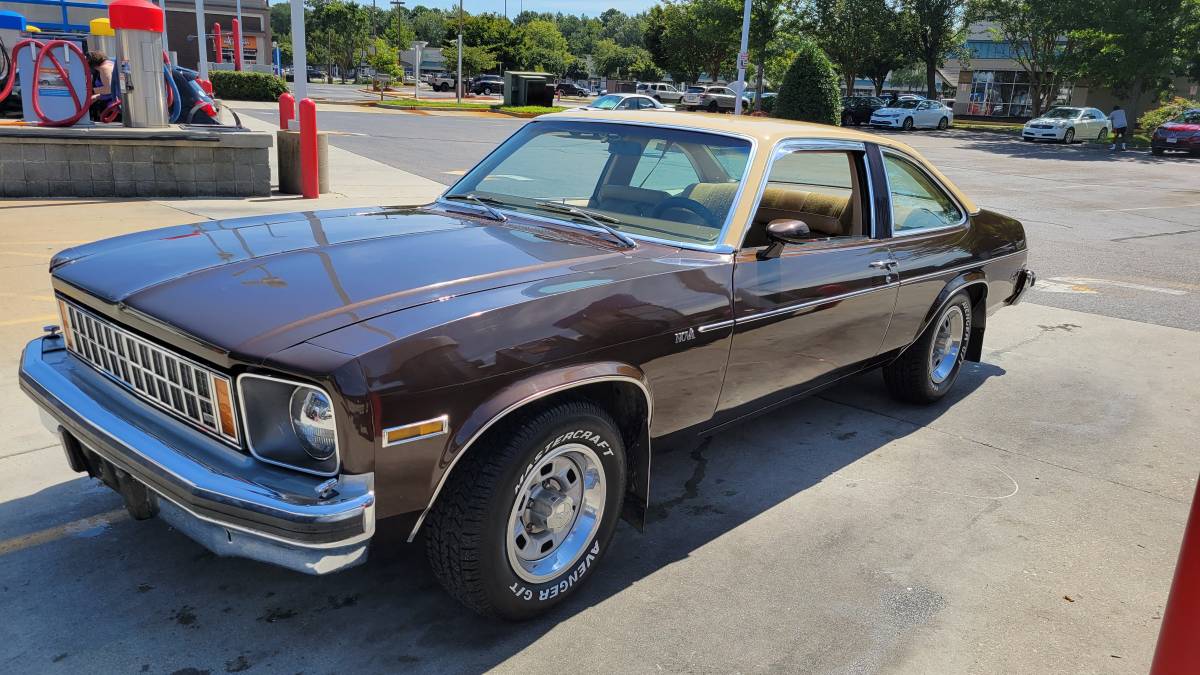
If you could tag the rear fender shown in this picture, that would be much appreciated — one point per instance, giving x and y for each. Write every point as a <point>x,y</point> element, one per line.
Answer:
<point>975,284</point>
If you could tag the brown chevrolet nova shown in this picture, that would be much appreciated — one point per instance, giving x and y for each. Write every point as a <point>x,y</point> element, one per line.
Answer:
<point>492,370</point>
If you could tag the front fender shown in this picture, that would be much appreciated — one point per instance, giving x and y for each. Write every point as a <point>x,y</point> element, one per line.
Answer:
<point>524,392</point>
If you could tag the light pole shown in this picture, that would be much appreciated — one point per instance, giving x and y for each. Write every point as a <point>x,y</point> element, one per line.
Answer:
<point>743,57</point>
<point>399,47</point>
<point>299,55</point>
<point>458,82</point>
<point>201,40</point>
<point>417,47</point>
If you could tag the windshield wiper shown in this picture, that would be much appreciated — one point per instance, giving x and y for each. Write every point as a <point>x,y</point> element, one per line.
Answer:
<point>600,220</point>
<point>485,202</point>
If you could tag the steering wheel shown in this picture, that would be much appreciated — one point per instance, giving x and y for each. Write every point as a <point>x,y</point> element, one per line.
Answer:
<point>685,204</point>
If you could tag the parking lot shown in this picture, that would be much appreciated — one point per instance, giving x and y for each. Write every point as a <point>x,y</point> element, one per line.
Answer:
<point>1030,523</point>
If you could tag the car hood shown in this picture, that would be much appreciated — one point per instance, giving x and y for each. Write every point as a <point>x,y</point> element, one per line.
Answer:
<point>251,287</point>
<point>1050,120</point>
<point>893,110</point>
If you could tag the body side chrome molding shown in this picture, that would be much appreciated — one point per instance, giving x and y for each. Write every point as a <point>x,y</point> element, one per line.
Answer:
<point>958,268</point>
<point>813,303</point>
<point>519,404</point>
<point>715,326</point>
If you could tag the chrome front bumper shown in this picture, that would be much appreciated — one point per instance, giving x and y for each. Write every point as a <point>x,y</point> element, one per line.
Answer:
<point>224,499</point>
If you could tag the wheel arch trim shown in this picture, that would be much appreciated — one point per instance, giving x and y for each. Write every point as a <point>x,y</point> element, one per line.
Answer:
<point>531,390</point>
<point>960,282</point>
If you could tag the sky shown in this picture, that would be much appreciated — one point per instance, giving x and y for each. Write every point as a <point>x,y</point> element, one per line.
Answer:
<point>588,7</point>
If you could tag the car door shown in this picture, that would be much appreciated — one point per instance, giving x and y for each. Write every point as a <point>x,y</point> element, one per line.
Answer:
<point>928,229</point>
<point>923,115</point>
<point>821,306</point>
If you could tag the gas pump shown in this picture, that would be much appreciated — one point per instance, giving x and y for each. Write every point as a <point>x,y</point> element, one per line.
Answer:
<point>138,25</point>
<point>101,37</point>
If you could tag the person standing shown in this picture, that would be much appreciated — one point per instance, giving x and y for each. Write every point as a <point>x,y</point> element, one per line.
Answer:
<point>1120,127</point>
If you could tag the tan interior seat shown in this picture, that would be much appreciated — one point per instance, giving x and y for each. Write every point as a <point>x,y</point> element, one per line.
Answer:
<point>825,214</point>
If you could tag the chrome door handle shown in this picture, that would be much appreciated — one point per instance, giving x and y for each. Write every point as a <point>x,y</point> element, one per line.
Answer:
<point>885,264</point>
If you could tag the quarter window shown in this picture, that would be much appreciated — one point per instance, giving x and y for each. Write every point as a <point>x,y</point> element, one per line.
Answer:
<point>917,202</point>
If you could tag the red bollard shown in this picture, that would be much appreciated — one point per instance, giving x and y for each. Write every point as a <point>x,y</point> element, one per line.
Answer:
<point>237,45</point>
<point>310,182</point>
<point>218,43</point>
<point>1178,650</point>
<point>287,109</point>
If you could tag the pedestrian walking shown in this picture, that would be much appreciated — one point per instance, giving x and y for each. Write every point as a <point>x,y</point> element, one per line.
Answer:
<point>1120,127</point>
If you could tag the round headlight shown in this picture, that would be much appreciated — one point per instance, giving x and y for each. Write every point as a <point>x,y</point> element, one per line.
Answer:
<point>312,420</point>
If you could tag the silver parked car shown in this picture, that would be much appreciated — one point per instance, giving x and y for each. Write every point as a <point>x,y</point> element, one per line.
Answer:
<point>711,99</point>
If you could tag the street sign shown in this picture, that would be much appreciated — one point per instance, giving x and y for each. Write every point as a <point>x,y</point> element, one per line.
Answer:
<point>743,59</point>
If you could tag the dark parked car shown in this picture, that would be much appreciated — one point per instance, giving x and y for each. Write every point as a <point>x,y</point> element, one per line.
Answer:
<point>856,110</point>
<point>492,370</point>
<point>1180,134</point>
<point>487,85</point>
<point>570,89</point>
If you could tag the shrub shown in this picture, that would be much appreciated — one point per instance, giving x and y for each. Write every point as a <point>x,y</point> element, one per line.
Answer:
<point>768,104</point>
<point>1152,119</point>
<point>810,88</point>
<point>246,86</point>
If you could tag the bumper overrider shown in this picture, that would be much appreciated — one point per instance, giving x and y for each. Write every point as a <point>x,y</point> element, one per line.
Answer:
<point>222,498</point>
<point>1024,280</point>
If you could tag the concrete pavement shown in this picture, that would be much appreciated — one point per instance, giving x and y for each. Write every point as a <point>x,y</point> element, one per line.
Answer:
<point>1030,523</point>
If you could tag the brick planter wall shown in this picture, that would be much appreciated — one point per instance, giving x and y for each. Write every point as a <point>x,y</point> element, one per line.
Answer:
<point>119,162</point>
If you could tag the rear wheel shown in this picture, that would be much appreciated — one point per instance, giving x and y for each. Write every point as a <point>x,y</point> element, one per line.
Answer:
<point>1157,152</point>
<point>523,521</point>
<point>929,367</point>
<point>847,119</point>
<point>943,123</point>
<point>713,107</point>
<point>1103,135</point>
<point>487,91</point>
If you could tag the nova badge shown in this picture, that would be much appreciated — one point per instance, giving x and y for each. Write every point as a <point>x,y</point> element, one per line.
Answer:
<point>685,335</point>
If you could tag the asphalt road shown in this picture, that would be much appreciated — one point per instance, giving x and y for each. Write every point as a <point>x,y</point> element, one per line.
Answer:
<point>1110,233</point>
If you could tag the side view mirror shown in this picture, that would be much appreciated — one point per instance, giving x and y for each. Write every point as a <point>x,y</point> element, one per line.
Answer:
<point>781,232</point>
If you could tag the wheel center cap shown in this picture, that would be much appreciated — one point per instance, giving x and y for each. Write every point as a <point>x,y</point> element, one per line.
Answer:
<point>552,510</point>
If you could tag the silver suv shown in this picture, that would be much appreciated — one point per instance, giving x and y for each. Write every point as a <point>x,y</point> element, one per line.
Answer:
<point>711,99</point>
<point>660,91</point>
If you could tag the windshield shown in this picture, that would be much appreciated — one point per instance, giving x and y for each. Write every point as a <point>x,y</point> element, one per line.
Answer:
<point>1189,117</point>
<point>646,181</point>
<point>606,102</point>
<point>907,103</point>
<point>1062,114</point>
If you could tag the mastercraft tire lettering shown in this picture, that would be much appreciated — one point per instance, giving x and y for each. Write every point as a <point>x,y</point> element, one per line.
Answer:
<point>527,516</point>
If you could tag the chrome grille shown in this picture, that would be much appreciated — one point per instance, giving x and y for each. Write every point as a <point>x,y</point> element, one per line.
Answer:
<point>169,381</point>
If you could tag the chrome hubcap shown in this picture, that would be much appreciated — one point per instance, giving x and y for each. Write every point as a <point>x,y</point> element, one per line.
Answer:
<point>947,345</point>
<point>557,511</point>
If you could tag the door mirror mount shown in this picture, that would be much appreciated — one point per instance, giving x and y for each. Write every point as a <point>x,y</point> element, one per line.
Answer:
<point>781,232</point>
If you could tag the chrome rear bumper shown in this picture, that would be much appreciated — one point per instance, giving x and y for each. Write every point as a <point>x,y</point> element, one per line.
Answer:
<point>226,500</point>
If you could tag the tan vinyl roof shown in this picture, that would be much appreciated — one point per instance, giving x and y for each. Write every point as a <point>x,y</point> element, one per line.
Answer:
<point>767,131</point>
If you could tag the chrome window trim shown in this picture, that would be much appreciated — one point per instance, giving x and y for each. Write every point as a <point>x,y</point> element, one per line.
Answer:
<point>787,146</point>
<point>813,303</point>
<point>521,403</point>
<point>903,156</point>
<point>717,247</point>
<point>337,451</point>
<point>174,353</point>
<point>444,419</point>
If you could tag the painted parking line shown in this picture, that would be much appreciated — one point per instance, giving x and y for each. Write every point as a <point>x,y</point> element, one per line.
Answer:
<point>1086,284</point>
<point>43,256</point>
<point>30,319</point>
<point>82,527</point>
<point>1148,208</point>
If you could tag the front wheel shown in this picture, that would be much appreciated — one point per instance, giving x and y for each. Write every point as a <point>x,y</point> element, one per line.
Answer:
<point>847,119</point>
<point>908,124</point>
<point>487,91</point>
<point>929,367</point>
<point>713,107</point>
<point>524,520</point>
<point>1069,136</point>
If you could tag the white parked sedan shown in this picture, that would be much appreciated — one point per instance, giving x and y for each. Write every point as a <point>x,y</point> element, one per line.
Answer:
<point>1068,124</point>
<point>912,113</point>
<point>625,102</point>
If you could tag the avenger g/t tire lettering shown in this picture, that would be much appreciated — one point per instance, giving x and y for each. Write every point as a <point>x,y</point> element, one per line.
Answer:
<point>525,518</point>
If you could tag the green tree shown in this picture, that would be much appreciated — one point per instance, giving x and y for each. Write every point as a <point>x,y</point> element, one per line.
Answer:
<point>810,88</point>
<point>431,26</point>
<point>889,38</point>
<point>938,30</point>
<point>1040,35</point>
<point>544,47</point>
<point>383,57</point>
<point>477,60</point>
<point>281,20</point>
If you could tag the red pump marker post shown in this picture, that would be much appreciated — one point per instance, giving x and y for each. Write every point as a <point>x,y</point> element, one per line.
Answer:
<point>1178,650</point>
<point>287,109</point>
<point>237,45</point>
<point>310,183</point>
<point>218,44</point>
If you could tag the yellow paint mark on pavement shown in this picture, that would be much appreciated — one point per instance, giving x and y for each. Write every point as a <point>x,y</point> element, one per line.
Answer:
<point>41,297</point>
<point>43,256</point>
<point>63,242</point>
<point>65,530</point>
<point>31,319</point>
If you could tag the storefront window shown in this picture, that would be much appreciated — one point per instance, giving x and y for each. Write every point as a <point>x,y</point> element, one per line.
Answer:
<point>1000,93</point>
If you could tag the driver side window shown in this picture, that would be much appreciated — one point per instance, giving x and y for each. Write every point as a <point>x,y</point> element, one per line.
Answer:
<point>917,202</point>
<point>820,188</point>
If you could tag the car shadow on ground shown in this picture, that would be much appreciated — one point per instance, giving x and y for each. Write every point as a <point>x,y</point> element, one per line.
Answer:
<point>136,596</point>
